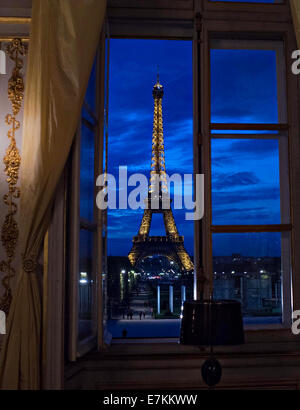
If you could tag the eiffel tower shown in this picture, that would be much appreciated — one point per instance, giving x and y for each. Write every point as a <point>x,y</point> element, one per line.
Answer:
<point>172,244</point>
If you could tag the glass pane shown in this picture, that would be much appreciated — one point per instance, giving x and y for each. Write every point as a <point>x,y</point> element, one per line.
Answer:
<point>248,267</point>
<point>87,116</point>
<point>245,181</point>
<point>137,289</point>
<point>85,284</point>
<point>87,180</point>
<point>243,86</point>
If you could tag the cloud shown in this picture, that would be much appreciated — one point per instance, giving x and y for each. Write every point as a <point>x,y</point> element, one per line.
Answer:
<point>248,215</point>
<point>242,91</point>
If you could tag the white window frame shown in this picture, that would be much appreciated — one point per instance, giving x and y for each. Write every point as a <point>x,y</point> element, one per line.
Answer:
<point>235,24</point>
<point>77,348</point>
<point>184,20</point>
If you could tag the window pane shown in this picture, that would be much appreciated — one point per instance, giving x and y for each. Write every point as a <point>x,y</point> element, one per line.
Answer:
<point>245,181</point>
<point>248,267</point>
<point>90,96</point>
<point>243,86</point>
<point>87,116</point>
<point>85,284</point>
<point>250,1</point>
<point>87,180</point>
<point>106,97</point>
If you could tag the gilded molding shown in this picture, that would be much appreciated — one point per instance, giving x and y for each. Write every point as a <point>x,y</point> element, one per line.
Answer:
<point>29,265</point>
<point>16,50</point>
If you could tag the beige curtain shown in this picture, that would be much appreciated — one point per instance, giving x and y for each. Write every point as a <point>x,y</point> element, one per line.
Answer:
<point>63,42</point>
<point>295,7</point>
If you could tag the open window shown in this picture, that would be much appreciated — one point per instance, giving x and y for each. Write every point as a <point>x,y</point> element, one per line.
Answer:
<point>85,260</point>
<point>225,115</point>
<point>250,197</point>
<point>145,291</point>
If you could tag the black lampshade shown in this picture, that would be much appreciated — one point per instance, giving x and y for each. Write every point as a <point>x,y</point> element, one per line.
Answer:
<point>212,323</point>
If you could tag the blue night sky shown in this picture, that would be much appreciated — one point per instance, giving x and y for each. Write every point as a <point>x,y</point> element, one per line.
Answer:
<point>245,176</point>
<point>251,1</point>
<point>132,76</point>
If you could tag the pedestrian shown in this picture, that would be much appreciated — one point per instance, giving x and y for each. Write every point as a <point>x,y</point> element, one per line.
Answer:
<point>131,314</point>
<point>141,315</point>
<point>128,314</point>
<point>144,313</point>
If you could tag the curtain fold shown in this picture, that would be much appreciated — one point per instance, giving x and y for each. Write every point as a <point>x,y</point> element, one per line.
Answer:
<point>295,8</point>
<point>63,42</point>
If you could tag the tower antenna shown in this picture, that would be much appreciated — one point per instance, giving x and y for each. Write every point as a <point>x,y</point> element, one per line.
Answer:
<point>157,75</point>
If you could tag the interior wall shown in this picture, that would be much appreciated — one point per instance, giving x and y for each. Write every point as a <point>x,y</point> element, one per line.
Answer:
<point>5,108</point>
<point>14,23</point>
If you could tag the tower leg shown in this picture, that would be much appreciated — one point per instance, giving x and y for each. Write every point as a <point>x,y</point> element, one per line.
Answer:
<point>183,294</point>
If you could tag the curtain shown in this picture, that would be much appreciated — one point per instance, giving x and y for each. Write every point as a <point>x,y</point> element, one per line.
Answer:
<point>63,42</point>
<point>295,7</point>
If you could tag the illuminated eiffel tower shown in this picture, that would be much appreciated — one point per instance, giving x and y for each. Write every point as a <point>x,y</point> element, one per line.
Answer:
<point>172,244</point>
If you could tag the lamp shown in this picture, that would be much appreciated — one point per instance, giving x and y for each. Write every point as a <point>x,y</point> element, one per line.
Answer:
<point>211,323</point>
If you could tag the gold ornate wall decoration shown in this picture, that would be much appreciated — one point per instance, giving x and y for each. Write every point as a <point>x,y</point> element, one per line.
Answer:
<point>16,50</point>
